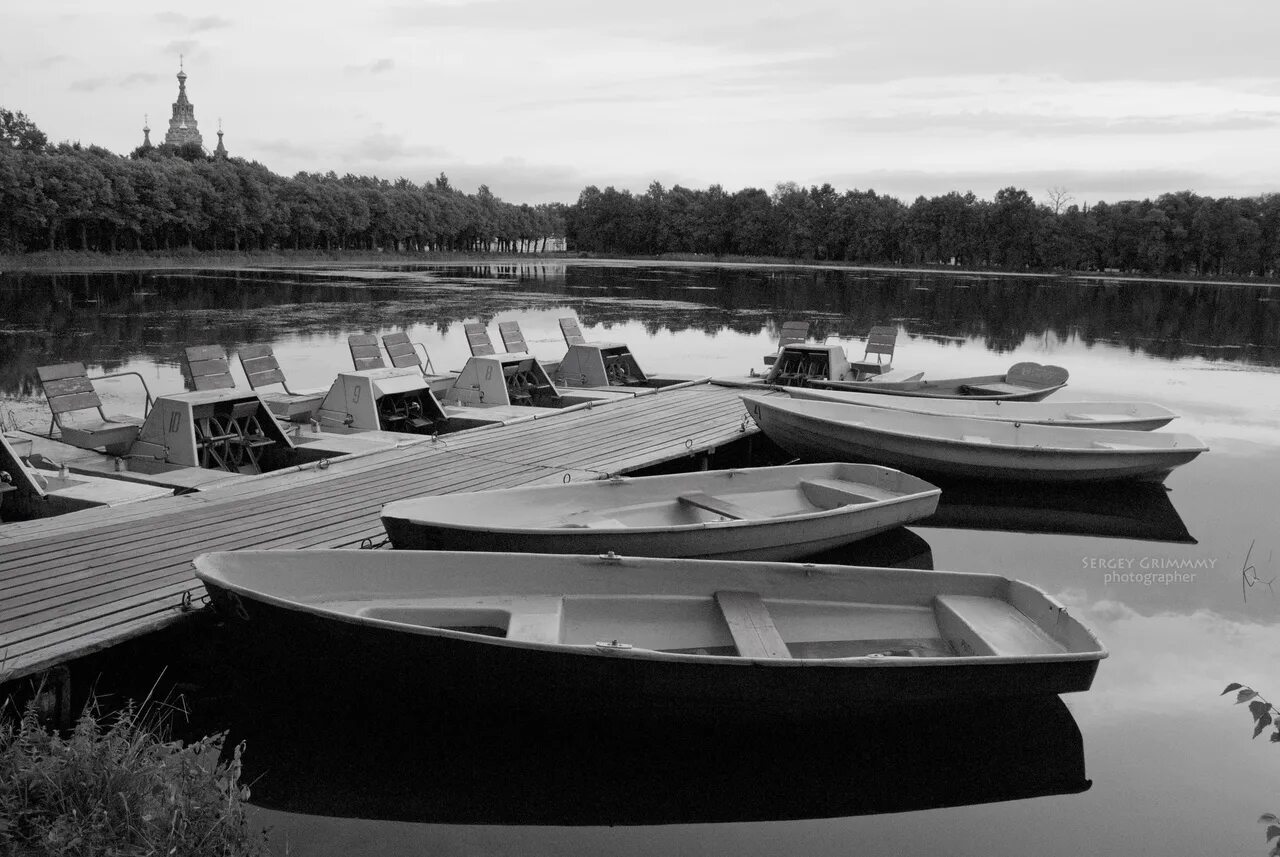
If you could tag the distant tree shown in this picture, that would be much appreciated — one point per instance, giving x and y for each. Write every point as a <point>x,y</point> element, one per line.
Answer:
<point>19,132</point>
<point>1058,197</point>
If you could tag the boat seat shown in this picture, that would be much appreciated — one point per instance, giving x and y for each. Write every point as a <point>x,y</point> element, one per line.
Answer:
<point>718,505</point>
<point>793,333</point>
<point>832,493</point>
<point>365,353</point>
<point>512,338</point>
<point>975,438</point>
<point>478,339</point>
<point>997,388</point>
<point>881,341</point>
<point>572,332</point>
<point>754,633</point>
<point>263,370</point>
<point>68,388</point>
<point>207,368</point>
<point>976,625</point>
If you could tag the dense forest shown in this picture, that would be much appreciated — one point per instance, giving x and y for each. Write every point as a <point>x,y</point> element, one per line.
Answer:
<point>161,198</point>
<point>70,196</point>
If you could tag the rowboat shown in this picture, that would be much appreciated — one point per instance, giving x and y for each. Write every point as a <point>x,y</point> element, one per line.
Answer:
<point>967,447</point>
<point>1029,382</point>
<point>764,513</point>
<point>1133,416</point>
<point>611,634</point>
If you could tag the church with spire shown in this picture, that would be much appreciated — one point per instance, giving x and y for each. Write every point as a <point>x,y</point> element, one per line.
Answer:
<point>183,128</point>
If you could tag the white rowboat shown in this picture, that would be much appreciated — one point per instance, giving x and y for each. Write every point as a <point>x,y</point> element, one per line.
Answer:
<point>967,447</point>
<point>762,513</point>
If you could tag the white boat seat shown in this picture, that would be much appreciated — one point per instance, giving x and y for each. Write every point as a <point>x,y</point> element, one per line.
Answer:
<point>987,626</point>
<point>975,438</point>
<point>718,505</point>
<point>754,633</point>
<point>832,493</point>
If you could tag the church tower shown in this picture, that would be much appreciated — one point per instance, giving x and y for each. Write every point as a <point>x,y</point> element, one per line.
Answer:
<point>146,131</point>
<point>221,151</point>
<point>182,125</point>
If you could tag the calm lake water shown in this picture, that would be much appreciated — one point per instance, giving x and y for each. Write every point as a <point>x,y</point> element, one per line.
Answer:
<point>1151,760</point>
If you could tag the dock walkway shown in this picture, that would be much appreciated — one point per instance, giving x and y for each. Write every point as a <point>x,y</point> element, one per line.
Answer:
<point>84,581</point>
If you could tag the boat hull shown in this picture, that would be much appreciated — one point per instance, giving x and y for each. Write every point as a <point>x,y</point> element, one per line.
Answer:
<point>623,636</point>
<point>431,674</point>
<point>859,438</point>
<point>898,499</point>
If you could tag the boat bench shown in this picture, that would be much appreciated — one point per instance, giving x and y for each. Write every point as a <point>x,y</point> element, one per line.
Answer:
<point>977,625</point>
<point>832,493</point>
<point>717,505</point>
<point>996,388</point>
<point>754,633</point>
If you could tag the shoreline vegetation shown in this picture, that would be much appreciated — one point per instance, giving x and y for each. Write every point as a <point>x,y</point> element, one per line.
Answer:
<point>177,200</point>
<point>116,784</point>
<point>90,261</point>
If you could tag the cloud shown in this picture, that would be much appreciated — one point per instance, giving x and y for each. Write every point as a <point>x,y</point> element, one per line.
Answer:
<point>141,77</point>
<point>377,66</point>
<point>191,23</point>
<point>88,84</point>
<point>186,47</point>
<point>1043,125</point>
<point>283,148</point>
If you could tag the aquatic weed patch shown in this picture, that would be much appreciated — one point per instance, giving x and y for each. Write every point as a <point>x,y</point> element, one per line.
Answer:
<point>115,786</point>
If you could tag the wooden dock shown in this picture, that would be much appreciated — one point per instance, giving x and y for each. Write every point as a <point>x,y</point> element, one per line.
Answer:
<point>81,582</point>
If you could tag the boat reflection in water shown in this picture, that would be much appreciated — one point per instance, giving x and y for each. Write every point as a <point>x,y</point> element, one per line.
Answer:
<point>1139,510</point>
<point>605,772</point>
<point>897,548</point>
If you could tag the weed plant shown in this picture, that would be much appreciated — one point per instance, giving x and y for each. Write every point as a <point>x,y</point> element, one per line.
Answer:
<point>115,786</point>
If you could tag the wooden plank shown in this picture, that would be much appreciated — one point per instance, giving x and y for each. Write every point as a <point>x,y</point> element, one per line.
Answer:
<point>754,633</point>
<point>717,505</point>
<point>990,626</point>
<point>67,386</point>
<point>59,371</point>
<point>64,403</point>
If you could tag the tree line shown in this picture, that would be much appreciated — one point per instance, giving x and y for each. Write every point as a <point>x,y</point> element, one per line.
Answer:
<point>77,197</point>
<point>67,196</point>
<point>1179,233</point>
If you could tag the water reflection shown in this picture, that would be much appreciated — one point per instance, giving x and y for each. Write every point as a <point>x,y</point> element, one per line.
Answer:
<point>897,548</point>
<point>595,772</point>
<point>106,319</point>
<point>1139,511</point>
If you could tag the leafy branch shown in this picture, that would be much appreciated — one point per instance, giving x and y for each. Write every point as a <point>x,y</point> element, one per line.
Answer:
<point>1265,715</point>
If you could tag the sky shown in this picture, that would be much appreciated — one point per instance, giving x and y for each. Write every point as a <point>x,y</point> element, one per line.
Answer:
<point>1095,99</point>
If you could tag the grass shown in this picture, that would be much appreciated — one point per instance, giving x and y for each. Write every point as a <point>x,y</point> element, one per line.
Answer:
<point>115,786</point>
